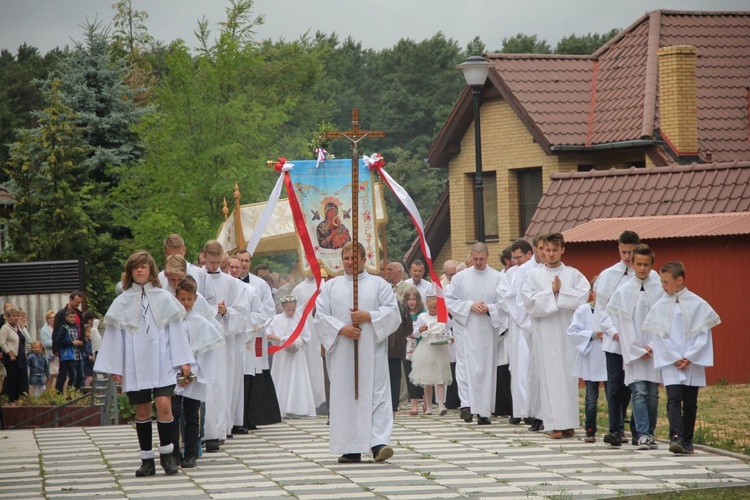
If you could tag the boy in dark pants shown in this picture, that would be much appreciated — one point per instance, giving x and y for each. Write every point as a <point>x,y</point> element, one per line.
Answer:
<point>71,350</point>
<point>681,323</point>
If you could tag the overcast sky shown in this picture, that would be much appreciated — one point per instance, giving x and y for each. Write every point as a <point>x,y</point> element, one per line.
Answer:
<point>378,24</point>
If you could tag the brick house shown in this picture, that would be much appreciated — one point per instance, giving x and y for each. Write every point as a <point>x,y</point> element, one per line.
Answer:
<point>670,89</point>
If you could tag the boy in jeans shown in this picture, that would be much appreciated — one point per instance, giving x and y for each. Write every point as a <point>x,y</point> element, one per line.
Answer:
<point>681,323</point>
<point>71,350</point>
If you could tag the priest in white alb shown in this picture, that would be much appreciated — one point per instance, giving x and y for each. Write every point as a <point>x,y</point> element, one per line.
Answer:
<point>358,425</point>
<point>473,301</point>
<point>551,295</point>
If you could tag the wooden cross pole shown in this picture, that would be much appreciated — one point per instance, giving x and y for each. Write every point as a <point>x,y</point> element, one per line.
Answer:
<point>355,135</point>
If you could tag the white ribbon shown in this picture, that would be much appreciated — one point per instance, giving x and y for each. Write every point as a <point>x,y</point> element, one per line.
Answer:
<point>267,214</point>
<point>321,156</point>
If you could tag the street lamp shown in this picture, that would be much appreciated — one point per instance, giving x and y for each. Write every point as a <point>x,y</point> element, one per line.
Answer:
<point>475,70</point>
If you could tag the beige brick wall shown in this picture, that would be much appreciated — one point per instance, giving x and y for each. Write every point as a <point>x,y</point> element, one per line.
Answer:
<point>506,146</point>
<point>678,102</point>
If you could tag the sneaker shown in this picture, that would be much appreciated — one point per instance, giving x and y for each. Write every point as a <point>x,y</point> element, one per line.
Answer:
<point>466,415</point>
<point>643,443</point>
<point>147,468</point>
<point>677,445</point>
<point>590,436</point>
<point>652,444</point>
<point>212,446</point>
<point>612,439</point>
<point>350,458</point>
<point>168,463</point>
<point>624,438</point>
<point>382,453</point>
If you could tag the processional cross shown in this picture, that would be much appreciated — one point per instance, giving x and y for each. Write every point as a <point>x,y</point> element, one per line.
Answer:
<point>355,135</point>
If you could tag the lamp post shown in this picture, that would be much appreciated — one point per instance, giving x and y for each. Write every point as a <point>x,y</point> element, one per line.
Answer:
<point>475,70</point>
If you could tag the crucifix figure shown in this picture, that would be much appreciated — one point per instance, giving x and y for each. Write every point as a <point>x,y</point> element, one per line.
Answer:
<point>355,135</point>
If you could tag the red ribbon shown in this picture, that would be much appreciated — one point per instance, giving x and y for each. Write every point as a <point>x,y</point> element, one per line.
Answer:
<point>312,260</point>
<point>279,165</point>
<point>442,309</point>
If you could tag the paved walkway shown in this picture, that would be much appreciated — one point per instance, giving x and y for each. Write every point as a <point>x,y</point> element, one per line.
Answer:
<point>436,457</point>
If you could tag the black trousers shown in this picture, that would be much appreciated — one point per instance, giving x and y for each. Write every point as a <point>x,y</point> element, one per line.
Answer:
<point>394,372</point>
<point>415,391</point>
<point>16,380</point>
<point>682,408</point>
<point>452,401</point>
<point>503,396</point>
<point>618,394</point>
<point>191,409</point>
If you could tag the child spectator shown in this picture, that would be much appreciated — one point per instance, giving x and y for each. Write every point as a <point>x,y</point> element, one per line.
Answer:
<point>412,299</point>
<point>590,363</point>
<point>289,371</point>
<point>71,350</point>
<point>431,362</point>
<point>88,356</point>
<point>144,347</point>
<point>204,334</point>
<point>38,369</point>
<point>681,323</point>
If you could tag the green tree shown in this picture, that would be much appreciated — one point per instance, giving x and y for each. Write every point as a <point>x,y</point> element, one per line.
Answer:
<point>475,47</point>
<point>584,44</point>
<point>19,96</point>
<point>525,44</point>
<point>50,187</point>
<point>220,115</point>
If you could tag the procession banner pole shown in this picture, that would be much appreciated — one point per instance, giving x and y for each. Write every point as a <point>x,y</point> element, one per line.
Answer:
<point>355,135</point>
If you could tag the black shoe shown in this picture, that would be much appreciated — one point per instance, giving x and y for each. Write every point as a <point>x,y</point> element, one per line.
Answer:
<point>168,464</point>
<point>483,421</point>
<point>252,427</point>
<point>466,415</point>
<point>238,430</point>
<point>382,453</point>
<point>229,436</point>
<point>536,426</point>
<point>689,446</point>
<point>212,446</point>
<point>529,421</point>
<point>188,463</point>
<point>613,439</point>
<point>350,458</point>
<point>514,421</point>
<point>177,457</point>
<point>147,468</point>
<point>677,445</point>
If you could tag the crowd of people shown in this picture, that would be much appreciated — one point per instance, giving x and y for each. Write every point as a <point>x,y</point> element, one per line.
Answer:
<point>194,340</point>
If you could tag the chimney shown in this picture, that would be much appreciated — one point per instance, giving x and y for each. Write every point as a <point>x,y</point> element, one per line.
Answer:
<point>678,104</point>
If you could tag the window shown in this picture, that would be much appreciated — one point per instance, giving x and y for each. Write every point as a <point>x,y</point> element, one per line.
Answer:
<point>529,194</point>
<point>489,180</point>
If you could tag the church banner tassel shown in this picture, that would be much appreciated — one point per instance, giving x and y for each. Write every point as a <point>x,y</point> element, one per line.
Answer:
<point>376,162</point>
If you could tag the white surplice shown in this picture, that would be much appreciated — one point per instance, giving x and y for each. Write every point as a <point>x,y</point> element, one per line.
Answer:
<point>289,370</point>
<point>554,354</point>
<point>628,308</point>
<point>606,284</point>
<point>219,407</point>
<point>502,357</point>
<point>143,339</point>
<point>358,425</point>
<point>205,336</point>
<point>590,363</point>
<point>480,332</point>
<point>303,292</point>
<point>680,335</point>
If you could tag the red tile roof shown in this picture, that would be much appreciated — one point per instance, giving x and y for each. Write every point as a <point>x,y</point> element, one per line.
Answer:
<point>661,226</point>
<point>575,198</point>
<point>612,95</point>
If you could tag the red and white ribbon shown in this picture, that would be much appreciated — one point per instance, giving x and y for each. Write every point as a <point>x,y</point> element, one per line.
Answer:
<point>299,221</point>
<point>321,155</point>
<point>376,162</point>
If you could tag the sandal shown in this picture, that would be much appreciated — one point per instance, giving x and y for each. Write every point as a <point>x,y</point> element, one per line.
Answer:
<point>413,412</point>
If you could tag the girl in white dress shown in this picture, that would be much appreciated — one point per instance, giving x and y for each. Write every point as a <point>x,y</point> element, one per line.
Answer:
<point>289,371</point>
<point>431,361</point>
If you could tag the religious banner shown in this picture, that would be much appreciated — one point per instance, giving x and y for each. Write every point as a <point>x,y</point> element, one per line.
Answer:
<point>325,197</point>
